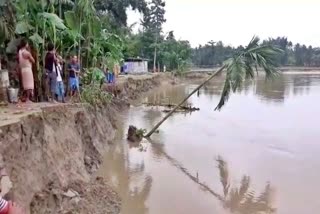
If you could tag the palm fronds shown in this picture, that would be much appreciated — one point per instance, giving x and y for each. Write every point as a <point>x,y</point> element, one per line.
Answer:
<point>245,65</point>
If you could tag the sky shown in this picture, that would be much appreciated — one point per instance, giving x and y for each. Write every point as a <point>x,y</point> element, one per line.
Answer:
<point>235,22</point>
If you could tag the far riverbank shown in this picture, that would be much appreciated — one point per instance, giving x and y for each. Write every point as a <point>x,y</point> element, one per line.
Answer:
<point>282,69</point>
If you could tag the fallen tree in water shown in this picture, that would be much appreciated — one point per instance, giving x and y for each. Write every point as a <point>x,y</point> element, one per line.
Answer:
<point>183,109</point>
<point>244,65</point>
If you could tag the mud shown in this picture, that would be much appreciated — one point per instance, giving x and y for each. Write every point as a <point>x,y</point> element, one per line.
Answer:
<point>58,148</point>
<point>130,88</point>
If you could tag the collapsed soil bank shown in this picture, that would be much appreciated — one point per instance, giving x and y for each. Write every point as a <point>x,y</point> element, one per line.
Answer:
<point>54,152</point>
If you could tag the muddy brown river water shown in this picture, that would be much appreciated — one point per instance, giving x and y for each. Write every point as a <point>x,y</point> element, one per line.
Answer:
<point>259,154</point>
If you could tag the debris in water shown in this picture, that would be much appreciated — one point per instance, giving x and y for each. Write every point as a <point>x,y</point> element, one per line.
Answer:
<point>184,109</point>
<point>135,135</point>
<point>171,106</point>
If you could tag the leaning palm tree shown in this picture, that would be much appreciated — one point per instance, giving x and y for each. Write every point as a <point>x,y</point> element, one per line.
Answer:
<point>244,65</point>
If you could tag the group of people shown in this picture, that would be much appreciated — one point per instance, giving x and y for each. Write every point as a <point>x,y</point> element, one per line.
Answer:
<point>53,73</point>
<point>54,66</point>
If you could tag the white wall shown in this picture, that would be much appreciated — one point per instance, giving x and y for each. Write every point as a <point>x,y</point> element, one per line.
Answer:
<point>137,67</point>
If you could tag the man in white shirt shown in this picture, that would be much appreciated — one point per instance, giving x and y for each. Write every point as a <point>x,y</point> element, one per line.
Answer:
<point>60,86</point>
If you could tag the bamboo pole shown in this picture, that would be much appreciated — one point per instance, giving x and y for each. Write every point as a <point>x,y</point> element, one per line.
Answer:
<point>183,101</point>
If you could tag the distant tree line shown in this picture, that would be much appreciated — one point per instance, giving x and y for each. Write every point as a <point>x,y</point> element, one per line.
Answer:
<point>161,49</point>
<point>215,53</point>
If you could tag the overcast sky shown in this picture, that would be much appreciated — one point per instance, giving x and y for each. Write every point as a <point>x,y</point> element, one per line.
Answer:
<point>235,21</point>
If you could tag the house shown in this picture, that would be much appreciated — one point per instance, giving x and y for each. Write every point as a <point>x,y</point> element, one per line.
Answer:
<point>135,66</point>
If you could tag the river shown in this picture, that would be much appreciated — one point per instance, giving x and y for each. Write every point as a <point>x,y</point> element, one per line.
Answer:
<point>259,154</point>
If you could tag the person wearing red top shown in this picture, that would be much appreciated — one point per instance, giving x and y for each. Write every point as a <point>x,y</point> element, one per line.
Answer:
<point>8,207</point>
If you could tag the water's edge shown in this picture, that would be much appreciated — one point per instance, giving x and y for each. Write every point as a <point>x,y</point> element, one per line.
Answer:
<point>58,148</point>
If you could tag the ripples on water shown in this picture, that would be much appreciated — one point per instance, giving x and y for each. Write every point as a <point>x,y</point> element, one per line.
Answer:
<point>259,154</point>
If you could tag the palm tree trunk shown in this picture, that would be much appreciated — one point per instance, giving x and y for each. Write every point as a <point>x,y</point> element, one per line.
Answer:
<point>183,101</point>
<point>60,9</point>
<point>155,60</point>
<point>155,56</point>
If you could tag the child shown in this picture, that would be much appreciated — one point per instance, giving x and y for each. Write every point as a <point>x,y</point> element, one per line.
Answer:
<point>74,72</point>
<point>59,85</point>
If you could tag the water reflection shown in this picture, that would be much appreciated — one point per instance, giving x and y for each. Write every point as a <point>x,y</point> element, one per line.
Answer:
<point>241,199</point>
<point>272,90</point>
<point>177,173</point>
<point>276,90</point>
<point>134,184</point>
<point>301,85</point>
<point>127,175</point>
<point>172,95</point>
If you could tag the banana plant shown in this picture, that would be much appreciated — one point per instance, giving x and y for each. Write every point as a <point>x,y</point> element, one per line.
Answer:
<point>80,21</point>
<point>33,21</point>
<point>7,20</point>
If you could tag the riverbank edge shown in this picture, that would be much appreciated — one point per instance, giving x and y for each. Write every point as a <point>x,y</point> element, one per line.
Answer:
<point>51,154</point>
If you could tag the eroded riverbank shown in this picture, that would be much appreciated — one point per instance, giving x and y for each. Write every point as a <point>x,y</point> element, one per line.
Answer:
<point>262,145</point>
<point>51,151</point>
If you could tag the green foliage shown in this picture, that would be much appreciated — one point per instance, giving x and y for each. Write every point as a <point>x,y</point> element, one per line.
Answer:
<point>93,95</point>
<point>93,76</point>
<point>244,65</point>
<point>117,9</point>
<point>215,53</point>
<point>92,92</point>
<point>23,27</point>
<point>53,20</point>
<point>36,38</point>
<point>141,132</point>
<point>212,54</point>
<point>95,30</point>
<point>175,54</point>
<point>7,20</point>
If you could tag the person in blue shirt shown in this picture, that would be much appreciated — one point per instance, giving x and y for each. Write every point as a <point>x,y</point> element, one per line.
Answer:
<point>74,72</point>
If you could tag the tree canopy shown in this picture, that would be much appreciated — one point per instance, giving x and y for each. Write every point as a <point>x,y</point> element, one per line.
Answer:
<point>95,30</point>
<point>215,53</point>
<point>98,30</point>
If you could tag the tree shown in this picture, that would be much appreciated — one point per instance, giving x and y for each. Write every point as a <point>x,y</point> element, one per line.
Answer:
<point>152,25</point>
<point>238,68</point>
<point>283,44</point>
<point>174,54</point>
<point>117,9</point>
<point>299,55</point>
<point>7,20</point>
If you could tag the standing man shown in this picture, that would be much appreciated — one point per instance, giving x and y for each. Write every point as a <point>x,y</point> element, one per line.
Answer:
<point>60,84</point>
<point>51,74</point>
<point>74,72</point>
